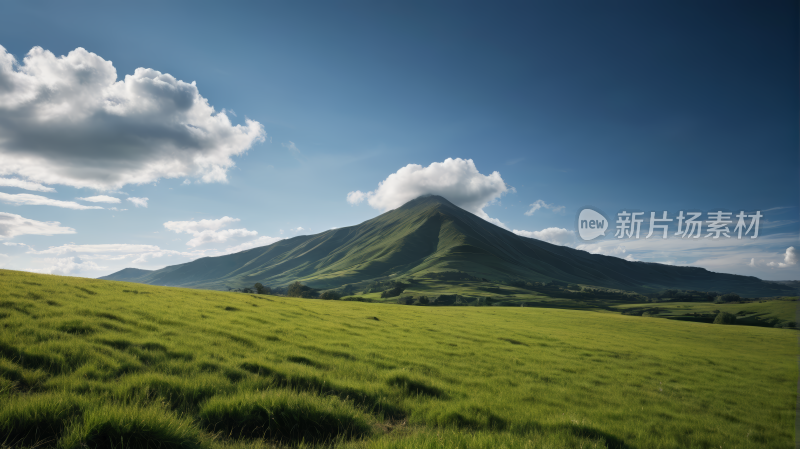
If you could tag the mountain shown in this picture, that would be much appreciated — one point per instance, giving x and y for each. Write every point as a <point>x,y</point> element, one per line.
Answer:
<point>430,234</point>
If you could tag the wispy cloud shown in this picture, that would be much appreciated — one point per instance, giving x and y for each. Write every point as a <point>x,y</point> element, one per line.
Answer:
<point>26,185</point>
<point>209,231</point>
<point>12,225</point>
<point>556,236</point>
<point>29,199</point>
<point>540,204</point>
<point>100,199</point>
<point>291,147</point>
<point>95,249</point>
<point>67,266</point>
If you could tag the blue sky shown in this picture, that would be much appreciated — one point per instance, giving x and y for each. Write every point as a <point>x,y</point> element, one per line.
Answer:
<point>614,105</point>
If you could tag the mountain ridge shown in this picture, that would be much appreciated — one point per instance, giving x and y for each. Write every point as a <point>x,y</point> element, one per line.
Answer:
<point>430,234</point>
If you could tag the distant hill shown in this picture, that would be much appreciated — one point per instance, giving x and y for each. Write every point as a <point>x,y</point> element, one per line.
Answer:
<point>430,234</point>
<point>129,274</point>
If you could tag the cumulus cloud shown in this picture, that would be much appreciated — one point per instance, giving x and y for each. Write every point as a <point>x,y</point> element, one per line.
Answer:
<point>458,180</point>
<point>298,229</point>
<point>25,185</point>
<point>789,259</point>
<point>556,236</point>
<point>540,204</point>
<point>100,199</point>
<point>138,201</point>
<point>12,225</point>
<point>68,120</point>
<point>208,231</point>
<point>356,197</point>
<point>38,200</point>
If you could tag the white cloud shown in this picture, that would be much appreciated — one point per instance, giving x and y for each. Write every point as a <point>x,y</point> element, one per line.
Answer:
<point>606,250</point>
<point>356,197</point>
<point>749,257</point>
<point>630,258</point>
<point>791,256</point>
<point>789,259</point>
<point>261,241</point>
<point>186,182</point>
<point>224,235</point>
<point>145,257</point>
<point>67,120</point>
<point>540,204</point>
<point>291,146</point>
<point>12,225</point>
<point>95,249</point>
<point>208,231</point>
<point>458,180</point>
<point>192,227</point>
<point>118,210</point>
<point>68,265</point>
<point>38,200</point>
<point>138,201</point>
<point>100,199</point>
<point>26,185</point>
<point>556,236</point>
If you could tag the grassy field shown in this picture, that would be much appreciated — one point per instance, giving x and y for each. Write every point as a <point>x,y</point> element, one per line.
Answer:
<point>111,364</point>
<point>765,312</point>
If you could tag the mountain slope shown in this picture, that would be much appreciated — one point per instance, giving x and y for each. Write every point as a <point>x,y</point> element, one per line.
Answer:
<point>431,234</point>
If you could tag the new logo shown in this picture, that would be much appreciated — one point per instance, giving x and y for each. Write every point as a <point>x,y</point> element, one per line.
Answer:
<point>591,224</point>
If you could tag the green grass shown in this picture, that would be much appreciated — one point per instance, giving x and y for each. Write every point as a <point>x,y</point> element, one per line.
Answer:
<point>764,312</point>
<point>114,364</point>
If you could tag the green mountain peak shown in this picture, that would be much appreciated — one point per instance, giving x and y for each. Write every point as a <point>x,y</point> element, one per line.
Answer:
<point>426,235</point>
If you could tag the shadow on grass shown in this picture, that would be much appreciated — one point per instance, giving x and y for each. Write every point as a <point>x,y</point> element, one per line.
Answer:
<point>611,441</point>
<point>305,361</point>
<point>115,426</point>
<point>371,403</point>
<point>415,387</point>
<point>37,420</point>
<point>283,417</point>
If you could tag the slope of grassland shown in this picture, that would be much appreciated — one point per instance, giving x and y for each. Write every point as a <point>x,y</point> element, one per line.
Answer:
<point>764,312</point>
<point>112,364</point>
<point>430,234</point>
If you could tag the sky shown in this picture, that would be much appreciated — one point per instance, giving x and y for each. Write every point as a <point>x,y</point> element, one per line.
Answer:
<point>148,134</point>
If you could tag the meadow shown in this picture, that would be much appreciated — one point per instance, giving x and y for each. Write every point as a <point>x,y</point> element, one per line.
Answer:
<point>92,363</point>
<point>767,311</point>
